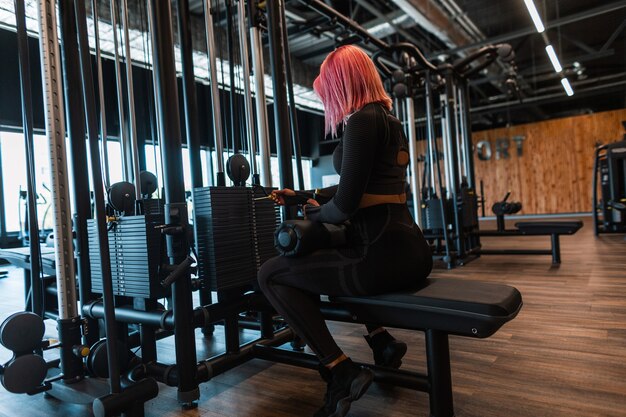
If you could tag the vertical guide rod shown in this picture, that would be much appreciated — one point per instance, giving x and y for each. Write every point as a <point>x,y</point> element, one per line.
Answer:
<point>189,95</point>
<point>259,86</point>
<point>457,133</point>
<point>410,118</point>
<point>245,64</point>
<point>103,119</point>
<point>89,101</point>
<point>430,130</point>
<point>230,46</point>
<point>466,119</point>
<point>127,169</point>
<point>134,147</point>
<point>218,133</point>
<point>295,136</point>
<point>281,118</point>
<point>36,305</point>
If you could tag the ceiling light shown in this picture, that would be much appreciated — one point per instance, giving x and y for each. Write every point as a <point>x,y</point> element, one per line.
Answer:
<point>567,86</point>
<point>554,58</point>
<point>534,14</point>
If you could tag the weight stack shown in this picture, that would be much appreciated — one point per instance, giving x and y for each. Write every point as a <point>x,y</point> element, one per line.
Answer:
<point>431,214</point>
<point>266,218</point>
<point>136,253</point>
<point>235,235</point>
<point>153,206</point>
<point>469,204</point>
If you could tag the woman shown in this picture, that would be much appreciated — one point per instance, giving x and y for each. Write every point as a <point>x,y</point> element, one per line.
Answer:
<point>386,250</point>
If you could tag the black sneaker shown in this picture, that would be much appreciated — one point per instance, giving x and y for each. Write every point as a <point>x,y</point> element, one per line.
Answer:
<point>388,351</point>
<point>348,382</point>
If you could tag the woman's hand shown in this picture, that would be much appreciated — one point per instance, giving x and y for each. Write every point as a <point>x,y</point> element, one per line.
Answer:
<point>309,202</point>
<point>278,195</point>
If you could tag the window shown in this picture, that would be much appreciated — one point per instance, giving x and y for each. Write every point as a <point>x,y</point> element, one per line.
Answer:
<point>14,180</point>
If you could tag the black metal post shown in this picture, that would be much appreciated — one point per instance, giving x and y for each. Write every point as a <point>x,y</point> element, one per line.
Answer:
<point>175,207</point>
<point>36,289</point>
<point>3,227</point>
<point>295,135</point>
<point>76,131</point>
<point>89,101</point>
<point>439,374</point>
<point>433,155</point>
<point>281,118</point>
<point>467,140</point>
<point>189,94</point>
<point>452,162</point>
<point>556,249</point>
<point>191,116</point>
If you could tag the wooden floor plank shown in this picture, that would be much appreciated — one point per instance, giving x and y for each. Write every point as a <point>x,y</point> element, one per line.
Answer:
<point>563,356</point>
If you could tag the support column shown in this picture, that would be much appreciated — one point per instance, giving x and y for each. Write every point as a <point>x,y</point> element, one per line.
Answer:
<point>281,109</point>
<point>68,321</point>
<point>414,179</point>
<point>160,20</point>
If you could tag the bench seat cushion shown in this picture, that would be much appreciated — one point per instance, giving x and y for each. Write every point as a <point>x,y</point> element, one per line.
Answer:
<point>468,308</point>
<point>559,227</point>
<point>20,257</point>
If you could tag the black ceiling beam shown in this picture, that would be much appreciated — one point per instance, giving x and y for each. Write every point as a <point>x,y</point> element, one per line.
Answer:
<point>546,99</point>
<point>345,22</point>
<point>548,68</point>
<point>573,18</point>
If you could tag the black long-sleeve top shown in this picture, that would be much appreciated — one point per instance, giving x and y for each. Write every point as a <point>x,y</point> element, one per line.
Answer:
<point>371,157</point>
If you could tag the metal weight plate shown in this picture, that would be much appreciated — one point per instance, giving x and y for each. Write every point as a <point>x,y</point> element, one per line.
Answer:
<point>24,373</point>
<point>22,332</point>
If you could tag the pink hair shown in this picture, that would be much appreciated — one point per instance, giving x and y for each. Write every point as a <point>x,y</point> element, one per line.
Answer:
<point>348,81</point>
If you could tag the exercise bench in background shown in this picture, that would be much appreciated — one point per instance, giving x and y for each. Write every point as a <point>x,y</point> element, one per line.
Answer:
<point>554,229</point>
<point>440,308</point>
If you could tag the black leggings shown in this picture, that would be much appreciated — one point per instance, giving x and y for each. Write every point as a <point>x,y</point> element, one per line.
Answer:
<point>387,252</point>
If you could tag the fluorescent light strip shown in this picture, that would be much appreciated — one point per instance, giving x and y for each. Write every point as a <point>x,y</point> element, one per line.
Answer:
<point>555,60</point>
<point>567,87</point>
<point>534,14</point>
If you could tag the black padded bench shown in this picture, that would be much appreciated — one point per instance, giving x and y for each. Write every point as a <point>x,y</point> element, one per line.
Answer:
<point>554,229</point>
<point>440,308</point>
<point>20,257</point>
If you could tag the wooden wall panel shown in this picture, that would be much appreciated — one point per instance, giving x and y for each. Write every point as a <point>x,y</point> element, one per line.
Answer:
<point>554,173</point>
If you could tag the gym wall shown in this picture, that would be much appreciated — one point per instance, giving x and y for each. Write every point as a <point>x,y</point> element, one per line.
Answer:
<point>554,172</point>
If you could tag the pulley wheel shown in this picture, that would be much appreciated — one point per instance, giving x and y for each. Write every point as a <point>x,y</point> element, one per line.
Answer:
<point>121,196</point>
<point>149,182</point>
<point>238,169</point>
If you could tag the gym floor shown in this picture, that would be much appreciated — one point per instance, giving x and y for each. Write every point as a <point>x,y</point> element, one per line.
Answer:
<point>564,355</point>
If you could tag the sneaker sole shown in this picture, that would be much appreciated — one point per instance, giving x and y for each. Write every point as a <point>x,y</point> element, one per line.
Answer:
<point>358,387</point>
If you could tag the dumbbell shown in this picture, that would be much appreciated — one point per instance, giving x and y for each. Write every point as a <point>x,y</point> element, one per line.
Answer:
<point>503,207</point>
